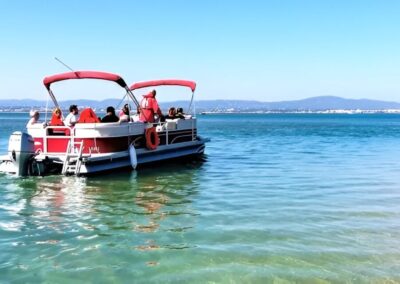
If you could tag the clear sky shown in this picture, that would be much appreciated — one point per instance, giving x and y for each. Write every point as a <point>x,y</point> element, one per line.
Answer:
<point>263,50</point>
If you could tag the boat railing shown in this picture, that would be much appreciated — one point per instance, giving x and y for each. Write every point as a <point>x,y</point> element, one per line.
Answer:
<point>64,133</point>
<point>164,127</point>
<point>60,131</point>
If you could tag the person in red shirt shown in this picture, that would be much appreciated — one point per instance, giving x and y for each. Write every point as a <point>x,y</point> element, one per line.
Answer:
<point>149,107</point>
<point>56,118</point>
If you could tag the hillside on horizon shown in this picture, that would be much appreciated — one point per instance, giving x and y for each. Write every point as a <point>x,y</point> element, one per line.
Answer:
<point>313,104</point>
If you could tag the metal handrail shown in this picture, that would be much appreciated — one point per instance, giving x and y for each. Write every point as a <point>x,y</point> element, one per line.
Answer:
<point>47,136</point>
<point>180,136</point>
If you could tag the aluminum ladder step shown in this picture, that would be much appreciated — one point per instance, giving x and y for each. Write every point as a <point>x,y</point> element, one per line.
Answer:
<point>73,158</point>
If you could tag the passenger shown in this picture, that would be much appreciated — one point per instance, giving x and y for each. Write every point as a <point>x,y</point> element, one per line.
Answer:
<point>34,114</point>
<point>88,116</point>
<point>171,113</point>
<point>124,113</point>
<point>72,117</point>
<point>110,116</point>
<point>56,118</point>
<point>179,113</point>
<point>149,107</point>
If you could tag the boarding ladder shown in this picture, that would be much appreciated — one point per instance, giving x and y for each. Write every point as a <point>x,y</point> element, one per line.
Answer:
<point>73,158</point>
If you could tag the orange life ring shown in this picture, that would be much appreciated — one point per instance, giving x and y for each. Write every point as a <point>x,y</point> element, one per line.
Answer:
<point>152,140</point>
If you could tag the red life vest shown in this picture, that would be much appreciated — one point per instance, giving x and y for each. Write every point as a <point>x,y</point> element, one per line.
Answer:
<point>148,107</point>
<point>88,116</point>
<point>56,120</point>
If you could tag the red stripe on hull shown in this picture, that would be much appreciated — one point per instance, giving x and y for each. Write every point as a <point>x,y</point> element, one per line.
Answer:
<point>104,145</point>
<point>91,145</point>
<point>57,145</point>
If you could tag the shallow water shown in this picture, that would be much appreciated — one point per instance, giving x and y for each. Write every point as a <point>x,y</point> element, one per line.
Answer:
<point>285,197</point>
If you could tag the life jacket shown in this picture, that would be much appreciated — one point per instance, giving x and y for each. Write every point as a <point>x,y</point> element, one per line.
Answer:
<point>148,107</point>
<point>56,120</point>
<point>88,116</point>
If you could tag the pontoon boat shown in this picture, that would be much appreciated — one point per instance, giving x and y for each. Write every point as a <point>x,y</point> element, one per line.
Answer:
<point>89,148</point>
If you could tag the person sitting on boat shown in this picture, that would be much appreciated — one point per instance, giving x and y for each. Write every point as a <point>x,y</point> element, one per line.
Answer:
<point>124,113</point>
<point>110,116</point>
<point>72,117</point>
<point>34,114</point>
<point>56,118</point>
<point>149,107</point>
<point>179,113</point>
<point>88,116</point>
<point>171,113</point>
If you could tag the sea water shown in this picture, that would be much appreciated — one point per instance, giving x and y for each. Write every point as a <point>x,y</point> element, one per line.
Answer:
<point>309,198</point>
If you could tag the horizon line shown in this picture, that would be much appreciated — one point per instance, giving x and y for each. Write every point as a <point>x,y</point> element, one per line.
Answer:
<point>218,99</point>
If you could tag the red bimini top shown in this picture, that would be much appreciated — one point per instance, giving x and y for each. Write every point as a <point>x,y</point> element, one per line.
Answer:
<point>84,75</point>
<point>184,83</point>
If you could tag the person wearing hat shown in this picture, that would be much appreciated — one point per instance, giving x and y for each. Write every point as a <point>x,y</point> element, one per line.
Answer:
<point>34,114</point>
<point>110,116</point>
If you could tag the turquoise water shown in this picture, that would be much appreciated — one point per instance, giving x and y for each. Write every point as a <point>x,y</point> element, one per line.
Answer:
<point>279,198</point>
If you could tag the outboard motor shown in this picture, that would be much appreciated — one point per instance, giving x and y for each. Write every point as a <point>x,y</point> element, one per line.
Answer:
<point>21,148</point>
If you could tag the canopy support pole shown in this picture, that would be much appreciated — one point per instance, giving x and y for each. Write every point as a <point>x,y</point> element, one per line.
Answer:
<point>190,105</point>
<point>132,96</point>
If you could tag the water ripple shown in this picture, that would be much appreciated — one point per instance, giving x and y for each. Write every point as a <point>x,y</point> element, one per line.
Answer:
<point>278,198</point>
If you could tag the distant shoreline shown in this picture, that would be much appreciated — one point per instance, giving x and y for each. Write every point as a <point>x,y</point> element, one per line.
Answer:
<point>321,104</point>
<point>328,111</point>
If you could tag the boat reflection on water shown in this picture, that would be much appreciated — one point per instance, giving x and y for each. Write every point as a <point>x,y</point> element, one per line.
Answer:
<point>144,211</point>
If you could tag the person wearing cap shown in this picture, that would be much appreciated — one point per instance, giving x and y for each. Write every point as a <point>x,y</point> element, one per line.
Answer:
<point>149,107</point>
<point>72,117</point>
<point>110,116</point>
<point>34,114</point>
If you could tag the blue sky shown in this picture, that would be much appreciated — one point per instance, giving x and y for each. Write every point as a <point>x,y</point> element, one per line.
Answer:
<point>262,50</point>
